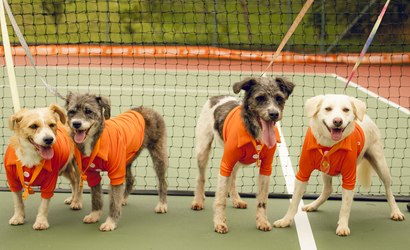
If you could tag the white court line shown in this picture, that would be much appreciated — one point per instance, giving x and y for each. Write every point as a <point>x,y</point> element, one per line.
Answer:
<point>304,231</point>
<point>372,94</point>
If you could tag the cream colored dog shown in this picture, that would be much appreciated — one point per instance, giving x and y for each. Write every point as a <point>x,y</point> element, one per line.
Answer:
<point>340,137</point>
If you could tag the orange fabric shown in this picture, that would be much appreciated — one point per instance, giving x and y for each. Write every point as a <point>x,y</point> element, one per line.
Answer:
<point>120,140</point>
<point>240,146</point>
<point>47,178</point>
<point>340,159</point>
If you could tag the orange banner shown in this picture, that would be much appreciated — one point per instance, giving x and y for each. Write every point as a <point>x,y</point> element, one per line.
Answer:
<point>205,52</point>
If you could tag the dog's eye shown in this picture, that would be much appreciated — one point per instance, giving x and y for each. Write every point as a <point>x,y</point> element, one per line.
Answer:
<point>71,112</point>
<point>52,125</point>
<point>88,111</point>
<point>33,126</point>
<point>346,110</point>
<point>260,98</point>
<point>279,99</point>
<point>328,109</point>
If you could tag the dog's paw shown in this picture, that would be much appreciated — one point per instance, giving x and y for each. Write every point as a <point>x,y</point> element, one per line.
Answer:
<point>221,228</point>
<point>309,208</point>
<point>263,225</point>
<point>108,225</point>
<point>41,224</point>
<point>93,217</point>
<point>124,201</point>
<point>16,220</point>
<point>397,216</point>
<point>161,208</point>
<point>77,205</point>
<point>342,230</point>
<point>284,222</point>
<point>240,204</point>
<point>196,205</point>
<point>68,200</point>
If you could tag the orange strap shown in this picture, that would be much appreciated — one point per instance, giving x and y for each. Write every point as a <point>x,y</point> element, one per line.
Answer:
<point>258,148</point>
<point>79,157</point>
<point>27,188</point>
<point>325,162</point>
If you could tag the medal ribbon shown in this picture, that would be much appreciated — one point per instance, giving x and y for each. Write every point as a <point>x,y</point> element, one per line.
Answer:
<point>27,187</point>
<point>78,158</point>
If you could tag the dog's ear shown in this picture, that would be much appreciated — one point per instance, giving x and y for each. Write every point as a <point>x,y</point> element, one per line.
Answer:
<point>60,112</point>
<point>285,85</point>
<point>312,105</point>
<point>104,102</point>
<point>245,84</point>
<point>69,98</point>
<point>16,118</point>
<point>359,108</point>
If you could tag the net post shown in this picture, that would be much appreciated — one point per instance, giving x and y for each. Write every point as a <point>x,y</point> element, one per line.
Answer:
<point>9,59</point>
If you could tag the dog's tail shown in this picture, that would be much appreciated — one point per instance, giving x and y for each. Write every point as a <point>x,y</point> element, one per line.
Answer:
<point>364,174</point>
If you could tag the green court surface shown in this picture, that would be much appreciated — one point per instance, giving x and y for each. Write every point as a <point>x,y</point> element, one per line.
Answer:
<point>181,228</point>
<point>179,96</point>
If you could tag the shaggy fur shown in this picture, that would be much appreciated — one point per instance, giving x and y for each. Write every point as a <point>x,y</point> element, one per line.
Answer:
<point>264,99</point>
<point>88,112</point>
<point>340,112</point>
<point>37,128</point>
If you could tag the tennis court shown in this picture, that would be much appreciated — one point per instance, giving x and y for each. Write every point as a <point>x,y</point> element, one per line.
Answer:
<point>178,95</point>
<point>172,56</point>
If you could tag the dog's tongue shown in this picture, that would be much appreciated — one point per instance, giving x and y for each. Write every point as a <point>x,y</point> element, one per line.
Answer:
<point>336,134</point>
<point>46,152</point>
<point>79,136</point>
<point>268,133</point>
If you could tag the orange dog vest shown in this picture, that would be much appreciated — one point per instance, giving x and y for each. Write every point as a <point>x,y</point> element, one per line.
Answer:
<point>120,140</point>
<point>240,146</point>
<point>339,159</point>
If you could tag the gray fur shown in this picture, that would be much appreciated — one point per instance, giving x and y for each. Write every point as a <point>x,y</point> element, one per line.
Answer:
<point>95,109</point>
<point>220,114</point>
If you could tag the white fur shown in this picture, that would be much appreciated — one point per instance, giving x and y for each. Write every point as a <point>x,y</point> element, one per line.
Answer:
<point>321,110</point>
<point>205,133</point>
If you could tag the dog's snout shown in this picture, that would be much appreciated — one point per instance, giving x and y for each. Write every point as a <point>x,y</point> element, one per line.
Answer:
<point>48,140</point>
<point>273,114</point>
<point>337,122</point>
<point>76,124</point>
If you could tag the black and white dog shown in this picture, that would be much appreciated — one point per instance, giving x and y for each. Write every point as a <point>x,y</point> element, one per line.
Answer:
<point>111,145</point>
<point>247,131</point>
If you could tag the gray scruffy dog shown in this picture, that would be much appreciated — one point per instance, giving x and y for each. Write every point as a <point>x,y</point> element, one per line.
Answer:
<point>246,129</point>
<point>111,145</point>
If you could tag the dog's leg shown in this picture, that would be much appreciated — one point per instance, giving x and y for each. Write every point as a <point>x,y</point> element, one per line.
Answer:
<point>343,223</point>
<point>221,193</point>
<point>204,138</point>
<point>236,199</point>
<point>19,215</point>
<point>41,222</point>
<point>96,205</point>
<point>262,222</point>
<point>159,157</point>
<point>116,198</point>
<point>376,158</point>
<point>326,192</point>
<point>75,200</point>
<point>300,188</point>
<point>129,184</point>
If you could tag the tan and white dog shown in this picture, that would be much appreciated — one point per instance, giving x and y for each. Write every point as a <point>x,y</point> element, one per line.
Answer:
<point>341,139</point>
<point>39,151</point>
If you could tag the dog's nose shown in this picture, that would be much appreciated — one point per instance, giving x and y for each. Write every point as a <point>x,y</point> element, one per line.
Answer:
<point>337,122</point>
<point>76,124</point>
<point>48,140</point>
<point>273,114</point>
